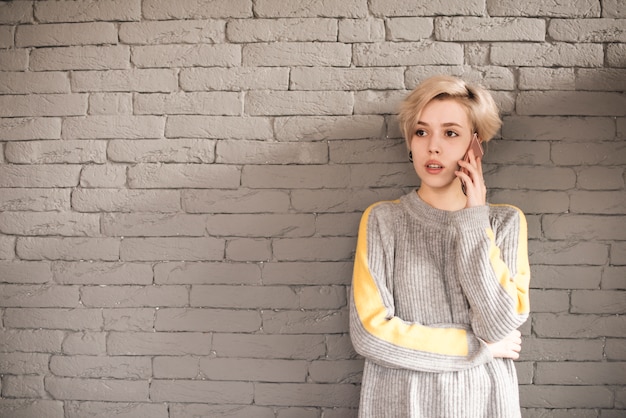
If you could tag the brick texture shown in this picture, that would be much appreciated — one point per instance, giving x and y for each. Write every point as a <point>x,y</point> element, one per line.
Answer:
<point>181,184</point>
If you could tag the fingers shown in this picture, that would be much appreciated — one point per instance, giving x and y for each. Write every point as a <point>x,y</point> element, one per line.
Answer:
<point>472,178</point>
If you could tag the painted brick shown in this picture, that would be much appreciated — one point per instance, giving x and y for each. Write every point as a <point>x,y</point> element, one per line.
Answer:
<point>234,79</point>
<point>558,128</point>
<point>282,30</point>
<point>306,394</point>
<point>598,202</point>
<point>201,391</point>
<point>618,253</point>
<point>181,410</point>
<point>277,8</point>
<point>117,367</point>
<point>114,57</point>
<point>162,151</point>
<point>104,176</point>
<point>491,29</point>
<point>35,200</point>
<point>598,301</point>
<point>54,318</point>
<point>188,249</point>
<point>297,54</point>
<point>39,176</point>
<point>580,373</point>
<point>49,223</point>
<point>172,32</point>
<point>341,224</point>
<point>24,272</point>
<point>14,60</point>
<point>343,371</point>
<point>169,367</point>
<point>553,349</point>
<point>97,273</point>
<point>77,409</point>
<point>307,273</point>
<point>207,320</point>
<point>104,127</point>
<point>242,369</point>
<point>601,154</point>
<point>370,102</point>
<point>298,177</point>
<point>361,30</point>
<point>536,54</point>
<point>569,8</point>
<point>557,396</point>
<point>241,200</point>
<point>152,225</point>
<point>133,296</point>
<point>7,248</point>
<point>571,103</point>
<point>130,319</point>
<point>249,249</point>
<point>64,34</point>
<point>158,343</point>
<point>24,408</point>
<point>23,387</point>
<point>615,56</point>
<point>140,80</point>
<point>43,105</point>
<point>196,126</point>
<point>259,152</point>
<point>70,11</point>
<point>42,341</point>
<point>547,78</point>
<point>390,175</point>
<point>587,30</point>
<point>402,29</point>
<point>407,53</point>
<point>261,225</point>
<point>56,152</point>
<point>97,389</point>
<point>113,200</point>
<point>305,322</point>
<point>16,12</point>
<point>207,273</point>
<point>307,78</point>
<point>490,77</point>
<point>196,9</point>
<point>601,79</point>
<point>248,297</point>
<point>24,129</point>
<point>110,104</point>
<point>164,176</point>
<point>613,277</point>
<point>333,201</point>
<point>85,343</point>
<point>67,248</point>
<point>318,128</point>
<point>6,36</point>
<point>550,300</point>
<point>26,83</point>
<point>367,151</point>
<point>416,8</point>
<point>566,277</point>
<point>567,253</point>
<point>269,346</point>
<point>578,326</point>
<point>531,177</point>
<point>615,349</point>
<point>180,55</point>
<point>202,103</point>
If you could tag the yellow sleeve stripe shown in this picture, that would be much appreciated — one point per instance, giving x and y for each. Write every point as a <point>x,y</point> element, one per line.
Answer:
<point>374,315</point>
<point>516,287</point>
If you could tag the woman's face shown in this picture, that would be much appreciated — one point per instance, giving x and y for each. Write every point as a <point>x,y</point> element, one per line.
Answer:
<point>441,138</point>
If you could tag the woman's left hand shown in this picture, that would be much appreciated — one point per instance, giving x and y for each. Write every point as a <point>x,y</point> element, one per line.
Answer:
<point>475,188</point>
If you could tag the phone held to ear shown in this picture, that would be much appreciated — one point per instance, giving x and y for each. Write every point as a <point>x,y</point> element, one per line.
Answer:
<point>478,152</point>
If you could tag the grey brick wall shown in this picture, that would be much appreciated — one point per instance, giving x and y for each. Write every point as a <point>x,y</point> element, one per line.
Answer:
<point>181,183</point>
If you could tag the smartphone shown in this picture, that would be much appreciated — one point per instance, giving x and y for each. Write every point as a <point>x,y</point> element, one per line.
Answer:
<point>478,152</point>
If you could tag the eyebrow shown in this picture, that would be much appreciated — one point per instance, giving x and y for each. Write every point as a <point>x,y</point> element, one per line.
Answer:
<point>446,124</point>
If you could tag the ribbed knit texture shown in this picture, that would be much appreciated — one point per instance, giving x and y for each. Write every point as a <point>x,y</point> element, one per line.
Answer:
<point>439,269</point>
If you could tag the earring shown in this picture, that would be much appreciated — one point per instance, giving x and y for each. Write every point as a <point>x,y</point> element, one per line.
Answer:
<point>411,156</point>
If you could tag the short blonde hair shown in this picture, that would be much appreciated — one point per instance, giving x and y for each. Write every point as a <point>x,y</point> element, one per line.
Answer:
<point>481,108</point>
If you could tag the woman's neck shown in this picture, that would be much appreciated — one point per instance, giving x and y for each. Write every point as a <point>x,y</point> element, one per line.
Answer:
<point>450,198</point>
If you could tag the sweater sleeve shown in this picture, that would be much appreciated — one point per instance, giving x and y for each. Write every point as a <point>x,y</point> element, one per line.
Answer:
<point>493,267</point>
<point>380,336</point>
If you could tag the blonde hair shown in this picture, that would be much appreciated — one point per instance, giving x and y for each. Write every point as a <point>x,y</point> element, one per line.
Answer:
<point>481,108</point>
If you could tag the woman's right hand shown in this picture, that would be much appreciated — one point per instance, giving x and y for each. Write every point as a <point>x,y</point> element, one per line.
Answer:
<point>508,347</point>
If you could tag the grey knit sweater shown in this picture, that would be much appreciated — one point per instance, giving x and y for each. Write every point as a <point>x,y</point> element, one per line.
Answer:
<point>429,288</point>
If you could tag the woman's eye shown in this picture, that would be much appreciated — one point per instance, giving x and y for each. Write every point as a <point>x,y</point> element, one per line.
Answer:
<point>420,132</point>
<point>451,134</point>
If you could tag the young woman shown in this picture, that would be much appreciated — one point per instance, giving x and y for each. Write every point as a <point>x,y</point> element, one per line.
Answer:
<point>441,278</point>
